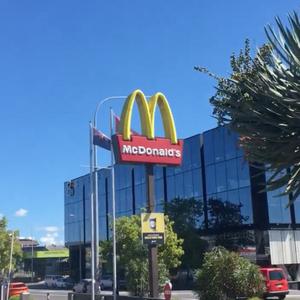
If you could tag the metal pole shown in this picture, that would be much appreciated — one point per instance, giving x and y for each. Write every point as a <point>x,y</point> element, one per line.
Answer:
<point>95,190</point>
<point>113,211</point>
<point>10,262</point>
<point>31,259</point>
<point>152,250</point>
<point>92,213</point>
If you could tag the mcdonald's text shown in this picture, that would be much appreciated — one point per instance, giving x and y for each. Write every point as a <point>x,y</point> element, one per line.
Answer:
<point>140,149</point>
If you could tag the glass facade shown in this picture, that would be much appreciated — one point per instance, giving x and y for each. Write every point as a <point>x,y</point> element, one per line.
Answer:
<point>228,185</point>
<point>213,173</point>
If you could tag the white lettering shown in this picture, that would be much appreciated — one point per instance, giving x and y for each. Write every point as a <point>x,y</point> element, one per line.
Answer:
<point>142,150</point>
<point>149,151</point>
<point>134,150</point>
<point>126,149</point>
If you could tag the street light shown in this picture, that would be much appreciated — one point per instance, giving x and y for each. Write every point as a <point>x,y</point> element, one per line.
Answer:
<point>94,204</point>
<point>10,262</point>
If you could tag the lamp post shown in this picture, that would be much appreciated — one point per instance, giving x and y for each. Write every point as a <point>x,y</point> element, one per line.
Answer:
<point>94,206</point>
<point>10,262</point>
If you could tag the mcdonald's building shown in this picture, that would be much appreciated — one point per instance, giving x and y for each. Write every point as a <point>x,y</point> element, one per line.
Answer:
<point>236,212</point>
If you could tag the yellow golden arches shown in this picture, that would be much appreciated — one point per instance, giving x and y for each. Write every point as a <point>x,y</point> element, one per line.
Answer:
<point>147,115</point>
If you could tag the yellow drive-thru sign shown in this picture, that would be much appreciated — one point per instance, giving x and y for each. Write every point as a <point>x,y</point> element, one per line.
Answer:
<point>153,228</point>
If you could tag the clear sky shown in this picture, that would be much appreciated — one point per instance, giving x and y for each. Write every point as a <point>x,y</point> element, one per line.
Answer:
<point>59,58</point>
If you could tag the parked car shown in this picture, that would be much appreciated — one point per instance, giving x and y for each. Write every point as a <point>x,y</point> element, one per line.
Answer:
<point>17,288</point>
<point>276,283</point>
<point>106,282</point>
<point>51,280</point>
<point>64,283</point>
<point>85,286</point>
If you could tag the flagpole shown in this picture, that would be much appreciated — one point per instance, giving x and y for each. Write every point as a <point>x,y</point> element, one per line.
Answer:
<point>92,212</point>
<point>94,188</point>
<point>113,210</point>
<point>94,191</point>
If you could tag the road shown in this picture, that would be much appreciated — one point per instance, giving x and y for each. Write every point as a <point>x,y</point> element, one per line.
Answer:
<point>43,294</point>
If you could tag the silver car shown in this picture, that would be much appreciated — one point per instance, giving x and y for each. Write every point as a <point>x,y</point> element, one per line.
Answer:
<point>85,286</point>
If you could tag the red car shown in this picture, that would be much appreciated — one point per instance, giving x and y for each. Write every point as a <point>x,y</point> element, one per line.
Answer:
<point>17,288</point>
<point>276,282</point>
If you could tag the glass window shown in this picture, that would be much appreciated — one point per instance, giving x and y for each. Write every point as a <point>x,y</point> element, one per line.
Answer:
<point>243,172</point>
<point>170,188</point>
<point>188,184</point>
<point>232,176</point>
<point>195,151</point>
<point>139,174</point>
<point>170,171</point>
<point>102,228</point>
<point>187,155</point>
<point>231,142</point>
<point>209,153</point>
<point>219,144</point>
<point>197,182</point>
<point>158,172</point>
<point>222,196</point>
<point>233,197</point>
<point>159,191</point>
<point>179,191</point>
<point>297,210</point>
<point>221,177</point>
<point>246,205</point>
<point>210,179</point>
<point>278,212</point>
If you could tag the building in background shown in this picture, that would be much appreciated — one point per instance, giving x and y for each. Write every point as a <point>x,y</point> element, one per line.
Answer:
<point>237,212</point>
<point>39,261</point>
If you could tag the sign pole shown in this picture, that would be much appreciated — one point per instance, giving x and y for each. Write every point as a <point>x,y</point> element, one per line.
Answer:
<point>152,249</point>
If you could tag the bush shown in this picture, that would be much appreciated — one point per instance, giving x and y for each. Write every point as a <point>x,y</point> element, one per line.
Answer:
<point>225,275</point>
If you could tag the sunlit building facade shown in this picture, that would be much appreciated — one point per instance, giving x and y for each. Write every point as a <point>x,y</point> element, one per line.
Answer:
<point>237,212</point>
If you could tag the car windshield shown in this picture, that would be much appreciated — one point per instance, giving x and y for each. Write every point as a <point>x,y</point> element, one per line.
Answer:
<point>276,275</point>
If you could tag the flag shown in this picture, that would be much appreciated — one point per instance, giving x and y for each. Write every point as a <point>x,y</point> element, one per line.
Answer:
<point>101,140</point>
<point>117,121</point>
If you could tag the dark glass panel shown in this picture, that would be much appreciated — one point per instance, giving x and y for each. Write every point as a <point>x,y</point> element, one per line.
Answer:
<point>159,191</point>
<point>297,210</point>
<point>278,212</point>
<point>232,175</point>
<point>197,183</point>
<point>219,144</point>
<point>170,188</point>
<point>209,153</point>
<point>158,172</point>
<point>246,205</point>
<point>188,184</point>
<point>195,152</point>
<point>170,171</point>
<point>210,179</point>
<point>179,191</point>
<point>102,228</point>
<point>221,177</point>
<point>243,172</point>
<point>231,142</point>
<point>187,155</point>
<point>233,197</point>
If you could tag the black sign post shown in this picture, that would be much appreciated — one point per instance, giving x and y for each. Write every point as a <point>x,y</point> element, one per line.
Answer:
<point>152,249</point>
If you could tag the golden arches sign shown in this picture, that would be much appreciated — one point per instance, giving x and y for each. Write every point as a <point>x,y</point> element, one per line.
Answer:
<point>146,148</point>
<point>147,116</point>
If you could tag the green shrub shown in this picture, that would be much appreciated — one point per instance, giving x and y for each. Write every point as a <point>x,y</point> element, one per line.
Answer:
<point>225,275</point>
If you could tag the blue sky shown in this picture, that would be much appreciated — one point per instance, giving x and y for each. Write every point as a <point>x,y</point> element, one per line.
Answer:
<point>59,58</point>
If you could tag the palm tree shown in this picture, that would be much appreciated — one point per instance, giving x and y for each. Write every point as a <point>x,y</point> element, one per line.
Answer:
<point>261,101</point>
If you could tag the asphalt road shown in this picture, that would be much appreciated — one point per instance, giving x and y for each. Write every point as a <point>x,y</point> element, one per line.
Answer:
<point>43,294</point>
